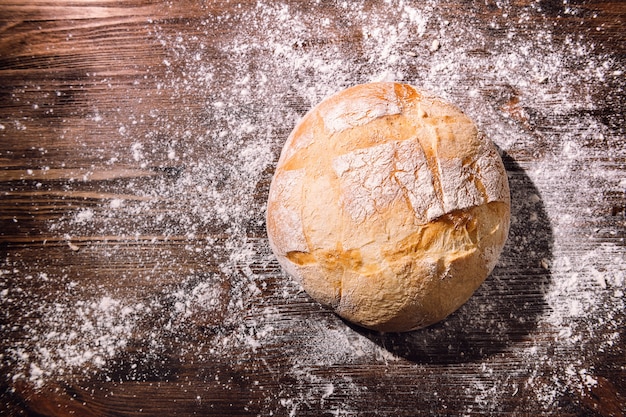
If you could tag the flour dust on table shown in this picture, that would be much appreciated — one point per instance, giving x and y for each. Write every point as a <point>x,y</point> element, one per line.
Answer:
<point>206,164</point>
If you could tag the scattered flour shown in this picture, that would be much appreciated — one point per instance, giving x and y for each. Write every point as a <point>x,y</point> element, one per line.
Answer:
<point>237,105</point>
<point>76,337</point>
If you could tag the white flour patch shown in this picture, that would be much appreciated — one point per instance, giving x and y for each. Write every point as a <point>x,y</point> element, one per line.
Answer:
<point>74,339</point>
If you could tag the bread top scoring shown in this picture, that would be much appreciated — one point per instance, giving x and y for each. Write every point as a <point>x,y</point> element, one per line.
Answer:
<point>382,145</point>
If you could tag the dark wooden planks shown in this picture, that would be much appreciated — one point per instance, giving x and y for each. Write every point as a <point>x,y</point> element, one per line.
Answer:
<point>82,221</point>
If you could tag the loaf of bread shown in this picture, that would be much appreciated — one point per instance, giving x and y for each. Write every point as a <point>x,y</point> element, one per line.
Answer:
<point>389,206</point>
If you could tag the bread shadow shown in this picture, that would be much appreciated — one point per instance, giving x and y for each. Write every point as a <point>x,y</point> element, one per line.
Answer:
<point>507,306</point>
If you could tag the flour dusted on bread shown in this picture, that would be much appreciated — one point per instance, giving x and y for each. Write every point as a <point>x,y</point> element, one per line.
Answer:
<point>389,206</point>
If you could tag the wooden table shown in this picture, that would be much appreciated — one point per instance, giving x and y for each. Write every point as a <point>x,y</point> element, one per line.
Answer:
<point>137,143</point>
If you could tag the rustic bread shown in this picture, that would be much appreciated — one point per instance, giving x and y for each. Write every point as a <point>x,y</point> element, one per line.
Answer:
<point>389,206</point>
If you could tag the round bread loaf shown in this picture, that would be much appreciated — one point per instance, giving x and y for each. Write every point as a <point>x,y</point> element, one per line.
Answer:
<point>389,206</point>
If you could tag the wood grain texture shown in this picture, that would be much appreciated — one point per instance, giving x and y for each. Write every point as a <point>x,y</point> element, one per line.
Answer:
<point>137,144</point>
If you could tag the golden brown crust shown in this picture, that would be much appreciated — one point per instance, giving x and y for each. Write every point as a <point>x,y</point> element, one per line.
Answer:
<point>389,206</point>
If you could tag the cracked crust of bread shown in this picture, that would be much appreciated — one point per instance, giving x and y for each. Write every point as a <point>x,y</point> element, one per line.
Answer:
<point>389,206</point>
